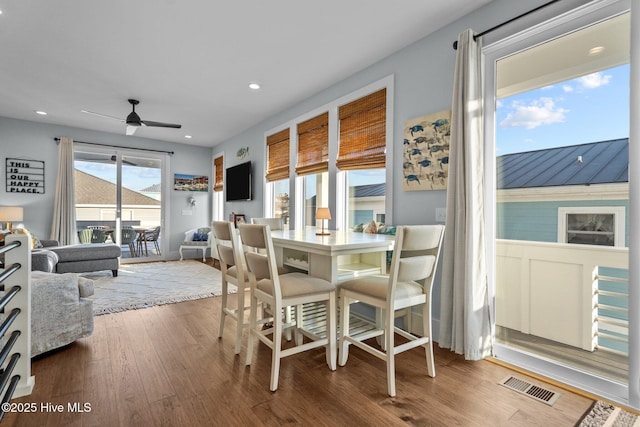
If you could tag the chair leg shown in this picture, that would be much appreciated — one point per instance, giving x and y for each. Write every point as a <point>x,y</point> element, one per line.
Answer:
<point>331,331</point>
<point>298,334</point>
<point>223,303</point>
<point>391,359</point>
<point>426,331</point>
<point>253,327</point>
<point>277,347</point>
<point>180,250</point>
<point>239,319</point>
<point>343,350</point>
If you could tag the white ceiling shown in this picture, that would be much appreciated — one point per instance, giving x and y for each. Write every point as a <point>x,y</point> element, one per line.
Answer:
<point>190,61</point>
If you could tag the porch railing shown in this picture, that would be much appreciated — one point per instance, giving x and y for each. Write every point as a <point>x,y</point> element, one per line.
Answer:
<point>555,291</point>
<point>612,309</point>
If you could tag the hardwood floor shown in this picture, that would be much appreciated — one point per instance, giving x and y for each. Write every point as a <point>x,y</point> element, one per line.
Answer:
<point>165,366</point>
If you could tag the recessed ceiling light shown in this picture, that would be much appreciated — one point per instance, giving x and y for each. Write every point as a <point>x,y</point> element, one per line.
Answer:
<point>188,136</point>
<point>596,50</point>
<point>254,86</point>
<point>42,113</point>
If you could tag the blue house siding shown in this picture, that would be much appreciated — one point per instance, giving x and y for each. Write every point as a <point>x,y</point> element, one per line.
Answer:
<point>538,221</point>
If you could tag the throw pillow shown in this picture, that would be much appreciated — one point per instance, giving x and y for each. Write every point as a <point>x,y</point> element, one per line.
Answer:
<point>200,237</point>
<point>370,228</point>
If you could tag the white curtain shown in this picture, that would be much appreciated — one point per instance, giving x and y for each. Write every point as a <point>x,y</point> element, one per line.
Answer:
<point>63,225</point>
<point>464,310</point>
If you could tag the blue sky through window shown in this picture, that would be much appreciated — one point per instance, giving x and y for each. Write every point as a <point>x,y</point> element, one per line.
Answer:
<point>586,109</point>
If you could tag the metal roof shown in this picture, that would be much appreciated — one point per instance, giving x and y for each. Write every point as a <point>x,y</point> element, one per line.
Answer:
<point>601,162</point>
<point>368,190</point>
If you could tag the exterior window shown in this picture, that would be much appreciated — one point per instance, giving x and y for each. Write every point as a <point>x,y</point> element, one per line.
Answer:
<point>366,196</point>
<point>602,226</point>
<point>281,200</point>
<point>316,194</point>
<point>218,187</point>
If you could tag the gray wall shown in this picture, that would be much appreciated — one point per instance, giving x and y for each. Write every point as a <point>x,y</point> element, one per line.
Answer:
<point>423,74</point>
<point>30,140</point>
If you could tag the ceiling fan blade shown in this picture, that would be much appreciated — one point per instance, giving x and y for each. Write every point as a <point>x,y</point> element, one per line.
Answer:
<point>102,115</point>
<point>131,130</point>
<point>160,124</point>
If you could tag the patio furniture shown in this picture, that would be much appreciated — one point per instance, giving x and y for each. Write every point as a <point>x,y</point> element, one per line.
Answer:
<point>128,236</point>
<point>149,236</point>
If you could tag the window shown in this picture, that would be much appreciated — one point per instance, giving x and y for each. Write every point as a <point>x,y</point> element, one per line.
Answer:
<point>336,147</point>
<point>313,164</point>
<point>603,226</point>
<point>278,156</point>
<point>366,196</point>
<point>281,201</point>
<point>362,154</point>
<point>218,187</point>
<point>362,132</point>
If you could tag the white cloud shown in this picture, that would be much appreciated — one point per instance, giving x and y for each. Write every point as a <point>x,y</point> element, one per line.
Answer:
<point>567,88</point>
<point>595,80</point>
<point>539,112</point>
<point>499,104</point>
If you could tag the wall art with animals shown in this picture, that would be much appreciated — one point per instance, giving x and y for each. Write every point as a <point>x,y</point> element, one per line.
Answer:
<point>425,160</point>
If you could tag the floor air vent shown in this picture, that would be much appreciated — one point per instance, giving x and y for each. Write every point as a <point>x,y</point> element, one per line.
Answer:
<point>541,394</point>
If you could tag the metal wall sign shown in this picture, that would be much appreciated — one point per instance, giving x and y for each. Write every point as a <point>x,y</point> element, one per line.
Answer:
<point>25,176</point>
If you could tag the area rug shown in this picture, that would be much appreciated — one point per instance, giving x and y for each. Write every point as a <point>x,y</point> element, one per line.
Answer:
<point>604,414</point>
<point>155,283</point>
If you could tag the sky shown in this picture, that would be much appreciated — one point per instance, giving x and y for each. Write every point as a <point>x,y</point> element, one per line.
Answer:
<point>587,109</point>
<point>133,178</point>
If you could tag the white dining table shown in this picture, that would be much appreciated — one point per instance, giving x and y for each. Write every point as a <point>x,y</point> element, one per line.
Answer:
<point>339,256</point>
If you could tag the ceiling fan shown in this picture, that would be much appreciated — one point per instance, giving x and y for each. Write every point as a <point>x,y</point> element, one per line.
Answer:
<point>133,120</point>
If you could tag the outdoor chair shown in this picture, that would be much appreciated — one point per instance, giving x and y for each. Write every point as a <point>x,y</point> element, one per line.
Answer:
<point>128,237</point>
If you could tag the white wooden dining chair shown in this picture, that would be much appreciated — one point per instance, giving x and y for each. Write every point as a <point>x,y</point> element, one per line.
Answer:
<point>408,284</point>
<point>281,291</point>
<point>234,272</point>
<point>273,223</point>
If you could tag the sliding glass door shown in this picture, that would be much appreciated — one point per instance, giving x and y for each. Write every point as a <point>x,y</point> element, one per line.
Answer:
<point>119,199</point>
<point>558,162</point>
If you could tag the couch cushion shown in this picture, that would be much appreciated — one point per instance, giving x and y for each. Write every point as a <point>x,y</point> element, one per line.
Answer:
<point>86,252</point>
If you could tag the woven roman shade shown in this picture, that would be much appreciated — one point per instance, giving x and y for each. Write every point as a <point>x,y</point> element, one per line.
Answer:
<point>363,132</point>
<point>219,180</point>
<point>313,145</point>
<point>278,156</point>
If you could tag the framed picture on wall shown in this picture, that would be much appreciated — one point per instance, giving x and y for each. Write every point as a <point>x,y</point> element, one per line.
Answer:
<point>183,182</point>
<point>238,219</point>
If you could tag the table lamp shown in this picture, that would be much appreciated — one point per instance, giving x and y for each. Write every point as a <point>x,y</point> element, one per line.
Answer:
<point>323,214</point>
<point>10,214</point>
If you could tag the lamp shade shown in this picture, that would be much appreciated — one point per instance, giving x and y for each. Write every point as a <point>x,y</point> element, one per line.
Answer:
<point>323,213</point>
<point>11,213</point>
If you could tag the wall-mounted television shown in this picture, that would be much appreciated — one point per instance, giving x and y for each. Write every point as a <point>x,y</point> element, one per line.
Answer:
<point>238,182</point>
